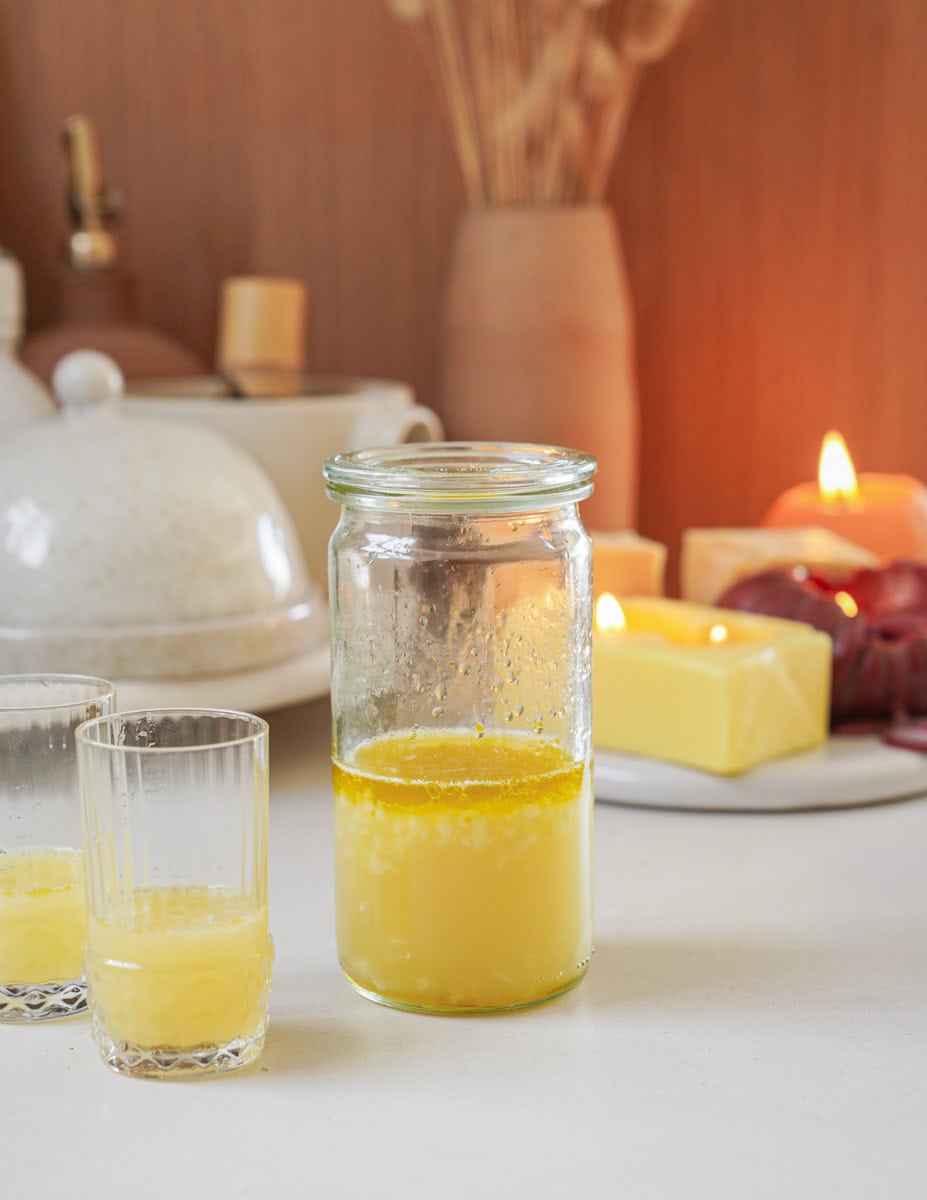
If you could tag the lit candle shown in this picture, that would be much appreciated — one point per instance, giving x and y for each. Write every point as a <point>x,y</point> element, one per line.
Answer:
<point>610,620</point>
<point>885,513</point>
<point>707,687</point>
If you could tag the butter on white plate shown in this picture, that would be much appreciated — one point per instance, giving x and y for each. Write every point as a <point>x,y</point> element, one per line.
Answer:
<point>706,687</point>
<point>715,559</point>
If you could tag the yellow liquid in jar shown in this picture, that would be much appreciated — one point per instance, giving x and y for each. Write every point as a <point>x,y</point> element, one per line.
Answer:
<point>180,967</point>
<point>462,869</point>
<point>42,916</point>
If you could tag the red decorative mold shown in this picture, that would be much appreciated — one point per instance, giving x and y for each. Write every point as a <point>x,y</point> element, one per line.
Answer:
<point>880,654</point>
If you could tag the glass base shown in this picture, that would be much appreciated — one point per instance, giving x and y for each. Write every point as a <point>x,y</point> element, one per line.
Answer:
<point>22,1002</point>
<point>167,1062</point>
<point>484,1010</point>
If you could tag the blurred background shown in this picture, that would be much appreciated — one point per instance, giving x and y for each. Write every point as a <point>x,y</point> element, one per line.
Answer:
<point>770,194</point>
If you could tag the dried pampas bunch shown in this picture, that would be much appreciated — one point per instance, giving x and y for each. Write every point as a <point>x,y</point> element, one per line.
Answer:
<point>537,92</point>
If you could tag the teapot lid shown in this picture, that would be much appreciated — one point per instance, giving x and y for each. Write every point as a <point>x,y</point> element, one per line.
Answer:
<point>12,300</point>
<point>23,399</point>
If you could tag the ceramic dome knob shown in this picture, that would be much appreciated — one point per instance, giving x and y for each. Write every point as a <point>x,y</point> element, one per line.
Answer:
<point>87,379</point>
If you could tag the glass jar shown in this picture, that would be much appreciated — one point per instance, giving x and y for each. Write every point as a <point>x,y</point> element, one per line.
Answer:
<point>461,603</point>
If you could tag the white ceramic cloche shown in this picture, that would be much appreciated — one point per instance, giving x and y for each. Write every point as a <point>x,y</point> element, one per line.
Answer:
<point>142,549</point>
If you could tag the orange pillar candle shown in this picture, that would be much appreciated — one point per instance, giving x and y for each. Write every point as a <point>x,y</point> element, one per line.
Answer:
<point>885,513</point>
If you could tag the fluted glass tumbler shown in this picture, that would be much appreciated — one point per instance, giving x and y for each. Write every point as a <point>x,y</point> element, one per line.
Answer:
<point>42,915</point>
<point>179,955</point>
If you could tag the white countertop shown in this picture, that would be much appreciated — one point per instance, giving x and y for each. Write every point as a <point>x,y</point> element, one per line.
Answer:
<point>753,1025</point>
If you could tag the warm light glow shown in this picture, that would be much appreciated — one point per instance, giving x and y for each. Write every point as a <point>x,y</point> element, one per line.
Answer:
<point>718,634</point>
<point>836,476</point>
<point>847,603</point>
<point>609,614</point>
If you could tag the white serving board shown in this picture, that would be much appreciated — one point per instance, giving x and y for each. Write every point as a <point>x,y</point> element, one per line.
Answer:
<point>304,677</point>
<point>846,771</point>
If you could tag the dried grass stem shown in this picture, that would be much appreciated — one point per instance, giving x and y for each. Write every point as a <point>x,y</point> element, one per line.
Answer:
<point>537,92</point>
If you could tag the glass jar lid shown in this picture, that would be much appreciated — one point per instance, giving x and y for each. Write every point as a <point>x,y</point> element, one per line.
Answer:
<point>460,477</point>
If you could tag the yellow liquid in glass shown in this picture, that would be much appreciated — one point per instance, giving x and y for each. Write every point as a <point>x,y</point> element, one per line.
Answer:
<point>42,916</point>
<point>462,869</point>
<point>180,967</point>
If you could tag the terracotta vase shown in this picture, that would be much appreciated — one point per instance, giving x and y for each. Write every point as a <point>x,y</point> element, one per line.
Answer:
<point>538,342</point>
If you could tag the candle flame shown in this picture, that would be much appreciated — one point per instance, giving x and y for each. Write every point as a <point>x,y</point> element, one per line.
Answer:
<point>847,603</point>
<point>836,476</point>
<point>609,614</point>
<point>718,634</point>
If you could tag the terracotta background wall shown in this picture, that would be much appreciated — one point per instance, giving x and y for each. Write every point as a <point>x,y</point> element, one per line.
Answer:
<point>772,195</point>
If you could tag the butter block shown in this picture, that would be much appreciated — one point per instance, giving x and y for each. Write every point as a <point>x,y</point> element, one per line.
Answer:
<point>626,564</point>
<point>707,687</point>
<point>714,559</point>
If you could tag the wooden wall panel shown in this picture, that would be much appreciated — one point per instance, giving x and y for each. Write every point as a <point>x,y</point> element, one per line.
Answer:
<point>282,136</point>
<point>770,194</point>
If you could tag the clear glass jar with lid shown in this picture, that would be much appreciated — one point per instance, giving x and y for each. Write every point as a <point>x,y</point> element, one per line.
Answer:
<point>461,604</point>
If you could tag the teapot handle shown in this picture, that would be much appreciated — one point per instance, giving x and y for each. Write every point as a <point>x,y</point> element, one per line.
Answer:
<point>394,428</point>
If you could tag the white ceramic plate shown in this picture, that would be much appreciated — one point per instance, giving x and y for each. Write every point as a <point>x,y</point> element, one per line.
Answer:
<point>846,771</point>
<point>292,682</point>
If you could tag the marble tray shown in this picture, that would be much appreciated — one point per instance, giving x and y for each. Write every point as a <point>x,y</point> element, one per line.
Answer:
<point>846,771</point>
